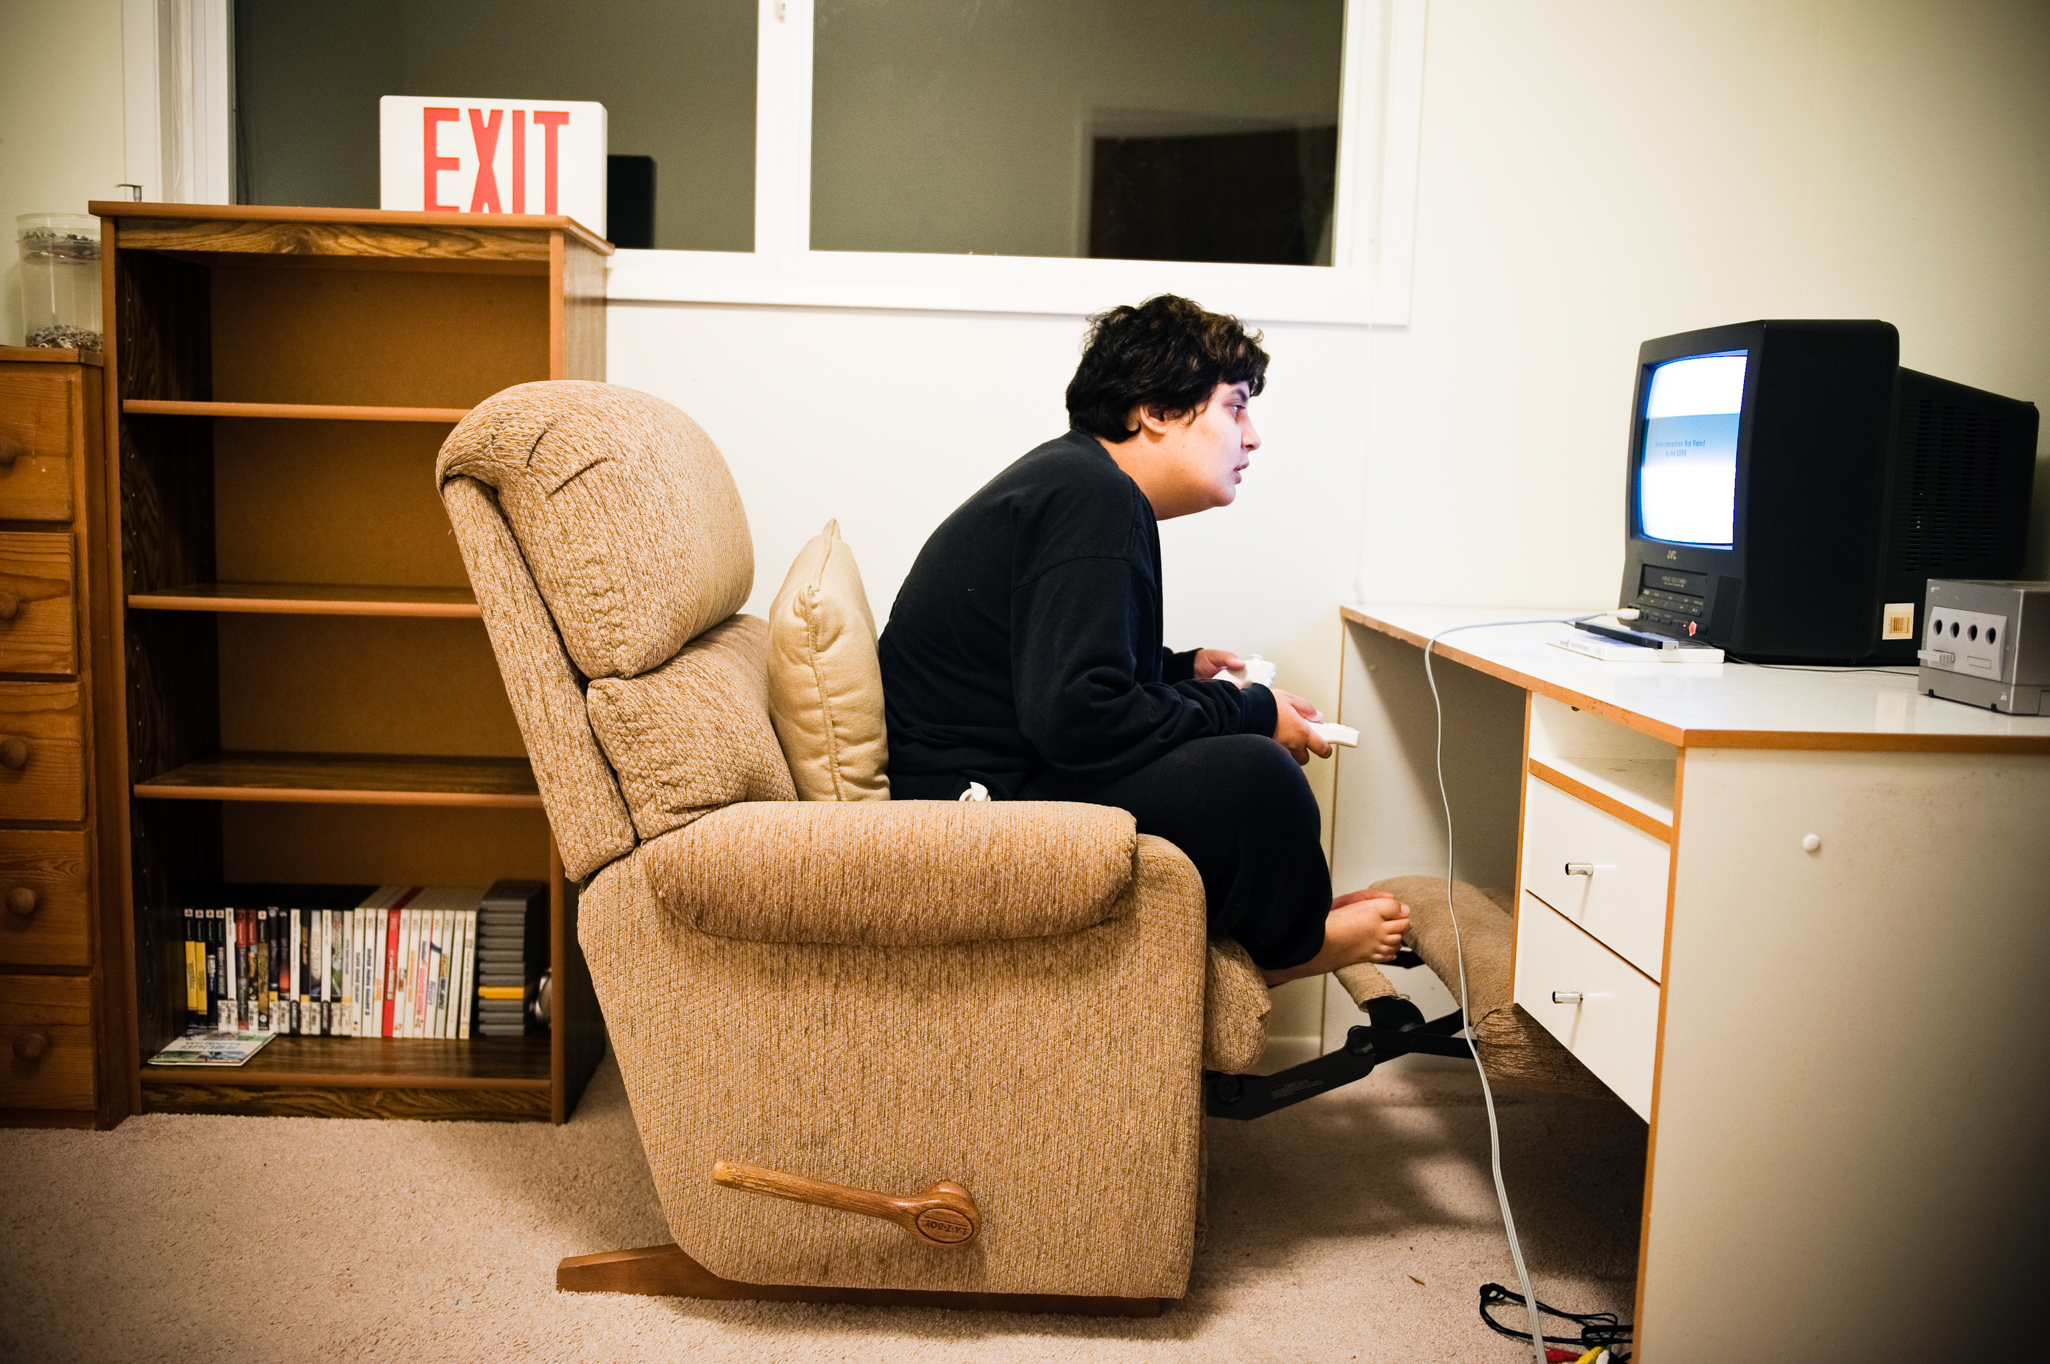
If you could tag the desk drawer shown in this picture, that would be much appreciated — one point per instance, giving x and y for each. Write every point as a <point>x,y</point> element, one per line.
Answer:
<point>42,751</point>
<point>43,898</point>
<point>46,1042</point>
<point>1623,900</point>
<point>35,444</point>
<point>1613,1028</point>
<point>38,612</point>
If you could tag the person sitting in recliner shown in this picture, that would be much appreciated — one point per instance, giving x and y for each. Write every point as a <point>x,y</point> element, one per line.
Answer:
<point>1024,650</point>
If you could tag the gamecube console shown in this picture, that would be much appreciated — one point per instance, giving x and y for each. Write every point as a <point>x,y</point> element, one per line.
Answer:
<point>1987,643</point>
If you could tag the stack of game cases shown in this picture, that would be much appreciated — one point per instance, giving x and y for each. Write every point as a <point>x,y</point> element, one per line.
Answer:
<point>512,944</point>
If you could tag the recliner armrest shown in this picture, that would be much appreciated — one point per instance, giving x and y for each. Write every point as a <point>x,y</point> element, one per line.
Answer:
<point>895,873</point>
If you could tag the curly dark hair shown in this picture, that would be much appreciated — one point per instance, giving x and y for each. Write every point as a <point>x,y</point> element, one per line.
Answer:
<point>1166,353</point>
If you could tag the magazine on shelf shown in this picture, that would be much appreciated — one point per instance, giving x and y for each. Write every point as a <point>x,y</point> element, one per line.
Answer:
<point>212,1048</point>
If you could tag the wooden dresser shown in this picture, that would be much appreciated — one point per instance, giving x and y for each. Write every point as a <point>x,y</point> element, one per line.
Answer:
<point>65,1039</point>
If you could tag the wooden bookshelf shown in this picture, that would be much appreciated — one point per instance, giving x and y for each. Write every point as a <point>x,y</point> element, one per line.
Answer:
<point>309,694</point>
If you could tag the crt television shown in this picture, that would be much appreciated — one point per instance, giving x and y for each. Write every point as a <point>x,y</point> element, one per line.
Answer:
<point>1792,489</point>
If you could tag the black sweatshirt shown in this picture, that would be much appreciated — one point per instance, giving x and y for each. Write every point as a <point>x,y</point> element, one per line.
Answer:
<point>1027,638</point>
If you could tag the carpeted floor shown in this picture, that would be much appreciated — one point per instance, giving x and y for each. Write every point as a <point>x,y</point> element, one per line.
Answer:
<point>1358,1225</point>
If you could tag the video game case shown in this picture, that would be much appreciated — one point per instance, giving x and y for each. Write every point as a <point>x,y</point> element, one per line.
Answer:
<point>217,946</point>
<point>227,1011</point>
<point>295,959</point>
<point>192,1008</point>
<point>467,979</point>
<point>309,978</point>
<point>340,1000</point>
<point>284,1016</point>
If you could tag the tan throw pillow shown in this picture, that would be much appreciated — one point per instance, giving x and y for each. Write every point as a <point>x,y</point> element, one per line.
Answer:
<point>825,685</point>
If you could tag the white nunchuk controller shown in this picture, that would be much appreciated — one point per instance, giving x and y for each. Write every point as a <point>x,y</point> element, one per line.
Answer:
<point>1262,671</point>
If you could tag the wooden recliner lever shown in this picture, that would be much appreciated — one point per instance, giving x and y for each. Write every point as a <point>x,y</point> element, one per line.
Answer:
<point>942,1214</point>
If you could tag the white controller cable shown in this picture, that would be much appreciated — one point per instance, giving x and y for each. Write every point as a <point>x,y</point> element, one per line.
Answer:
<point>1537,1347</point>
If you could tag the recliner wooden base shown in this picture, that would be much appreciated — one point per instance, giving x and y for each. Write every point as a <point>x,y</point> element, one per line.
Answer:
<point>666,1271</point>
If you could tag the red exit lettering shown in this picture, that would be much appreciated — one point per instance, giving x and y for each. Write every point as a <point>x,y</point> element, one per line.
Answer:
<point>485,128</point>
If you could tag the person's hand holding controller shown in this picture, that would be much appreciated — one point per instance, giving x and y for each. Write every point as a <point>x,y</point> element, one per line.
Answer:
<point>1293,717</point>
<point>1211,662</point>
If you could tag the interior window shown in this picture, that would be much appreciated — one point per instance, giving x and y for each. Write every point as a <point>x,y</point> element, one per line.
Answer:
<point>676,77</point>
<point>1199,130</point>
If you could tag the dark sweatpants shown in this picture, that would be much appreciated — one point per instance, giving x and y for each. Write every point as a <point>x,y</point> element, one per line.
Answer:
<point>1242,811</point>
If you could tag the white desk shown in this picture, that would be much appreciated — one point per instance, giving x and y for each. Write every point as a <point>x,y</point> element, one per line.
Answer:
<point>1839,1050</point>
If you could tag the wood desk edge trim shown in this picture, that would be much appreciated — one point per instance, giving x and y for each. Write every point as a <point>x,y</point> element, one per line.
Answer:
<point>1841,741</point>
<point>1607,804</point>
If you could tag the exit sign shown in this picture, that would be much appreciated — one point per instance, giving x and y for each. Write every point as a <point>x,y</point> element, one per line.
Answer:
<point>493,156</point>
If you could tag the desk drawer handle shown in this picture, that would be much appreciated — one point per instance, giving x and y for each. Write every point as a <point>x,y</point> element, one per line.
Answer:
<point>1566,997</point>
<point>10,450</point>
<point>13,753</point>
<point>30,1046</point>
<point>21,901</point>
<point>1588,868</point>
<point>9,605</point>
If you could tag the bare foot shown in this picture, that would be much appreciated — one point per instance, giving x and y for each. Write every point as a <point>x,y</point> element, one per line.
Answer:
<point>1366,925</point>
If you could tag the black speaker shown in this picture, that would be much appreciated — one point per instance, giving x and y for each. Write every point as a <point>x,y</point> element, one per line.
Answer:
<point>630,201</point>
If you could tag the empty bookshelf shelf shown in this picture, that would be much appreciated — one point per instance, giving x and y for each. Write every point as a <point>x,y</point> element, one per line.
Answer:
<point>350,779</point>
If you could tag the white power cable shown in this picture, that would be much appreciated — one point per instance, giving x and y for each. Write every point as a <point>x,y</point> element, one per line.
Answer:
<point>1537,1334</point>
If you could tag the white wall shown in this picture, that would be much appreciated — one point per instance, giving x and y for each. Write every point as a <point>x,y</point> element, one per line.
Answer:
<point>60,122</point>
<point>1599,172</point>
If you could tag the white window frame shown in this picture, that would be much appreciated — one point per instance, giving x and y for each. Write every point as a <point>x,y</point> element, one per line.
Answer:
<point>179,125</point>
<point>177,89</point>
<point>1374,227</point>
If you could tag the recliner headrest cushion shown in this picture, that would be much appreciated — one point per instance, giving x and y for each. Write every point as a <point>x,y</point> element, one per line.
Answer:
<point>628,517</point>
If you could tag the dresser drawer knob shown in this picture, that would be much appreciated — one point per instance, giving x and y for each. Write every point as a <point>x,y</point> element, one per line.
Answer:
<point>1566,997</point>
<point>13,753</point>
<point>10,450</point>
<point>30,1046</point>
<point>9,605</point>
<point>21,900</point>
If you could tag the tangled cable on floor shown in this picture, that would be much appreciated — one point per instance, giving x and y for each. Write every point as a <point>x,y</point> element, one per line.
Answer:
<point>1598,1330</point>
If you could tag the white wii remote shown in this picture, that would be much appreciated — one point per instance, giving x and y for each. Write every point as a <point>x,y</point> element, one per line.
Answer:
<point>1256,669</point>
<point>1334,733</point>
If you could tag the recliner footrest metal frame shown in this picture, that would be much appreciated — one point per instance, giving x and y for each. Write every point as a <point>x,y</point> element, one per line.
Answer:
<point>1395,1028</point>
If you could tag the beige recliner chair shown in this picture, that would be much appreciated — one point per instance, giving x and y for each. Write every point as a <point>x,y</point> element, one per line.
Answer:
<point>960,1045</point>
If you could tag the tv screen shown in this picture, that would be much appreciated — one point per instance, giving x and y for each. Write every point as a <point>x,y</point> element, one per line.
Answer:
<point>1687,470</point>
